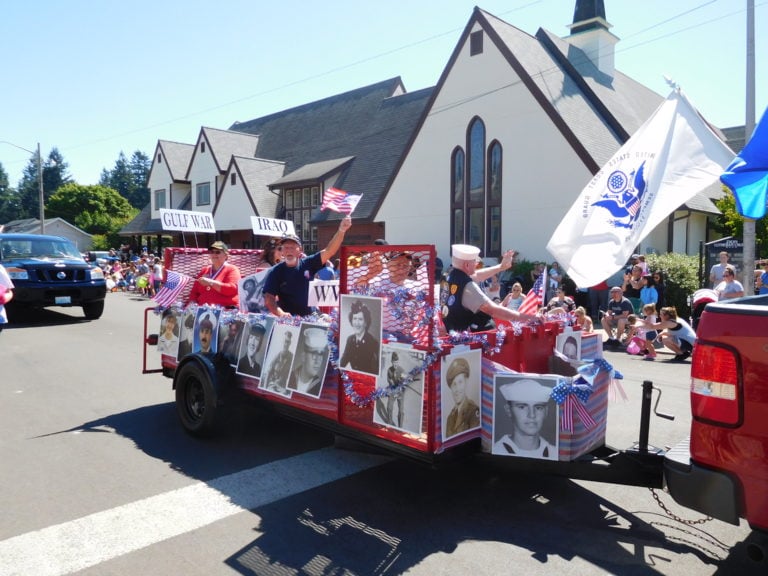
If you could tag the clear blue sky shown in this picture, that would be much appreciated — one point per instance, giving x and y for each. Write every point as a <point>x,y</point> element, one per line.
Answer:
<point>94,78</point>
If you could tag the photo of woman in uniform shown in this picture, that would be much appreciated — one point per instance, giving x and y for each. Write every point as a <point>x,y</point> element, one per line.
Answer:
<point>361,333</point>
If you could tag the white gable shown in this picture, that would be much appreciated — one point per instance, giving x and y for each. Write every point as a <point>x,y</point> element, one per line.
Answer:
<point>252,197</point>
<point>536,159</point>
<point>203,170</point>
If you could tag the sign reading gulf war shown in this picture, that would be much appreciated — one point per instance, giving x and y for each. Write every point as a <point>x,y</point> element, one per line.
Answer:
<point>271,226</point>
<point>187,221</point>
<point>323,293</point>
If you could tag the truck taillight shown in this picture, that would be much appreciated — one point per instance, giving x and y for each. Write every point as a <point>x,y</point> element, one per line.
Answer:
<point>715,385</point>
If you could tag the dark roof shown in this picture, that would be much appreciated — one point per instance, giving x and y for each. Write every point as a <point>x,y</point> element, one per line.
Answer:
<point>142,224</point>
<point>177,156</point>
<point>373,124</point>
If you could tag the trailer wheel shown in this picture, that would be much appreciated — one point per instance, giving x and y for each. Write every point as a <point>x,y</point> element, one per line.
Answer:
<point>195,399</point>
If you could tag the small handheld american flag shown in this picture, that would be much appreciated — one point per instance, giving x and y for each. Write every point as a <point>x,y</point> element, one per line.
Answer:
<point>339,201</point>
<point>172,289</point>
<point>535,297</point>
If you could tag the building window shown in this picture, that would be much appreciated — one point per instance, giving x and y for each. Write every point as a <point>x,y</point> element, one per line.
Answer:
<point>159,199</point>
<point>204,194</point>
<point>233,179</point>
<point>476,43</point>
<point>202,147</point>
<point>159,158</point>
<point>493,200</point>
<point>299,205</point>
<point>474,231</point>
<point>457,196</point>
<point>476,192</point>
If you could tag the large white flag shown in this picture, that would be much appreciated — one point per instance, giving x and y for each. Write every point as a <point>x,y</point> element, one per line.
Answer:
<point>671,158</point>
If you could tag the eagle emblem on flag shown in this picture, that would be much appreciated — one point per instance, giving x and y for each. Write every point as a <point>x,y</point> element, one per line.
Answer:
<point>624,196</point>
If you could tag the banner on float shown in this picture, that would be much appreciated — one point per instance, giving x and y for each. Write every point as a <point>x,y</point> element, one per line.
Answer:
<point>187,221</point>
<point>271,226</point>
<point>323,293</point>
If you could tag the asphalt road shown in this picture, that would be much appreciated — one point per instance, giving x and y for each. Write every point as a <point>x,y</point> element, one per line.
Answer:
<point>98,478</point>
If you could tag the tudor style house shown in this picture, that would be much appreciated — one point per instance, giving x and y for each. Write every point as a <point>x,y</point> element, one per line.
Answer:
<point>494,155</point>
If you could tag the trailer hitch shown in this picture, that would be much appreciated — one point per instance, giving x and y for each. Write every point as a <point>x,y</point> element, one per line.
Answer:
<point>645,418</point>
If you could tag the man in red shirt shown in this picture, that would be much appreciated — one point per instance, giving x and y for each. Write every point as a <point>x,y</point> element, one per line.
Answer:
<point>217,284</point>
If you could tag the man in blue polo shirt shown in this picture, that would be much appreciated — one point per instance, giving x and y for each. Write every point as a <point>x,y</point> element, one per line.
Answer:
<point>286,290</point>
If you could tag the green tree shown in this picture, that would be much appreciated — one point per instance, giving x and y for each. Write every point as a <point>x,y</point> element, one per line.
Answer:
<point>54,176</point>
<point>10,209</point>
<point>95,209</point>
<point>129,178</point>
<point>140,165</point>
<point>730,223</point>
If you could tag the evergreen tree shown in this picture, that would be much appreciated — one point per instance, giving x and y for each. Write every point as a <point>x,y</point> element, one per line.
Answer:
<point>129,178</point>
<point>54,176</point>
<point>9,199</point>
<point>140,167</point>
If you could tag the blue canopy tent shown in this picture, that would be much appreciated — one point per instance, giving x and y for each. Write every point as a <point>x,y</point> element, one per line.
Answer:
<point>747,175</point>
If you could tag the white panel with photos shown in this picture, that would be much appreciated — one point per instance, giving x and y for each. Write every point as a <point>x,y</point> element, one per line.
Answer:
<point>460,392</point>
<point>401,409</point>
<point>525,418</point>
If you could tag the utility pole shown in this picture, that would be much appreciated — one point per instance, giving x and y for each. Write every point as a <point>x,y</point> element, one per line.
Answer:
<point>748,276</point>
<point>40,189</point>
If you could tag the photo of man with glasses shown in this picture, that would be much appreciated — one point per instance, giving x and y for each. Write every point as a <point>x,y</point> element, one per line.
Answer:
<point>310,361</point>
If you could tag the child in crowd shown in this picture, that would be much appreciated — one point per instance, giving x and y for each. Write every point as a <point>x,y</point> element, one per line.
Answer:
<point>649,315</point>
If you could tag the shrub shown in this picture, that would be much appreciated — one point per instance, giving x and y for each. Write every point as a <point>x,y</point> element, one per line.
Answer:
<point>681,278</point>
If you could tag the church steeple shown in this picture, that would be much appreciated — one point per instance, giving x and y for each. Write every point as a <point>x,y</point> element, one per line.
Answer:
<point>586,15</point>
<point>590,32</point>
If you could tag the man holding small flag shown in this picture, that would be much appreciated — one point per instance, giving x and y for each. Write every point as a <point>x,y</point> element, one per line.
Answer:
<point>286,289</point>
<point>670,159</point>
<point>463,303</point>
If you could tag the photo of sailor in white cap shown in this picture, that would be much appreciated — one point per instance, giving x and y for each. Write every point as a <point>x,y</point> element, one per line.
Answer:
<point>525,418</point>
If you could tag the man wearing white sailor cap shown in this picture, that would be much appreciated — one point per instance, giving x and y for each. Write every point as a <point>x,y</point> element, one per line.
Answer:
<point>463,303</point>
<point>526,402</point>
<point>311,360</point>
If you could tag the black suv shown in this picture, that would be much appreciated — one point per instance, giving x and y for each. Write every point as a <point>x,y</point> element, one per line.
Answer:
<point>50,271</point>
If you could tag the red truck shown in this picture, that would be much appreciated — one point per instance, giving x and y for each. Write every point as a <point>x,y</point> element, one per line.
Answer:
<point>722,469</point>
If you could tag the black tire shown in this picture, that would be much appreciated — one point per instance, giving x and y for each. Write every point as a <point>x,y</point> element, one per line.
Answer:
<point>196,400</point>
<point>93,310</point>
<point>16,312</point>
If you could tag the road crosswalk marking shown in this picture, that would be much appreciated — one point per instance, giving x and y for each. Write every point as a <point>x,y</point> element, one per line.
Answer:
<point>88,541</point>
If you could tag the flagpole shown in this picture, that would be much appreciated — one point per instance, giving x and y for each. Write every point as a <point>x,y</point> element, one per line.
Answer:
<point>749,236</point>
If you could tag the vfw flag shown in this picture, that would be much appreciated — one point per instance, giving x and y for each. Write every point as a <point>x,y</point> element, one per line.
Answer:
<point>339,201</point>
<point>670,159</point>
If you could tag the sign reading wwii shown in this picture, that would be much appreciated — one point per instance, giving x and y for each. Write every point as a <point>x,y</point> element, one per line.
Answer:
<point>187,221</point>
